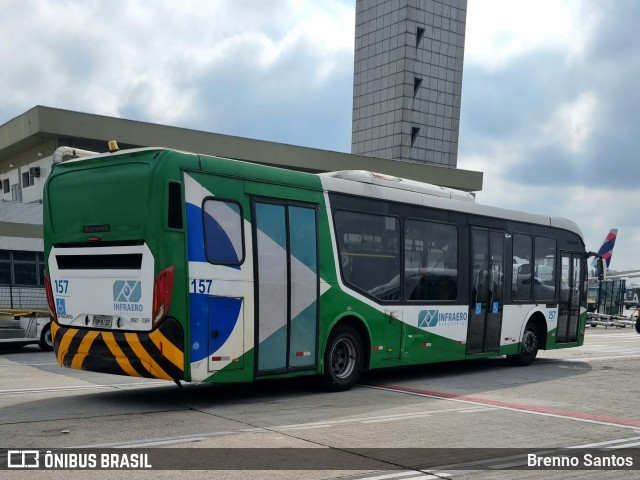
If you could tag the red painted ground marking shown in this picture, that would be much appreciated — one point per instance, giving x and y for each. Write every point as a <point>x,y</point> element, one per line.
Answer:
<point>515,406</point>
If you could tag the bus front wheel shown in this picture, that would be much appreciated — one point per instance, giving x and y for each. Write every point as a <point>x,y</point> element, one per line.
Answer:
<point>342,359</point>
<point>528,349</point>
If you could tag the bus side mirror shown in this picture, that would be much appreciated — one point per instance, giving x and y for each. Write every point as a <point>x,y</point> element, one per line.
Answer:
<point>602,268</point>
<point>600,265</point>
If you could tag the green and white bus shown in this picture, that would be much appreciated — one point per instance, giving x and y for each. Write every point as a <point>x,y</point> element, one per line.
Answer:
<point>181,266</point>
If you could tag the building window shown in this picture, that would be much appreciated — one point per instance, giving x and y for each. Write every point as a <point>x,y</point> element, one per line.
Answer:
<point>25,268</point>
<point>369,249</point>
<point>5,268</point>
<point>6,188</point>
<point>430,261</point>
<point>41,269</point>
<point>26,179</point>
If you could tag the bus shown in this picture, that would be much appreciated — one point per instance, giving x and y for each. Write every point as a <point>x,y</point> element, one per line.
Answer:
<point>186,267</point>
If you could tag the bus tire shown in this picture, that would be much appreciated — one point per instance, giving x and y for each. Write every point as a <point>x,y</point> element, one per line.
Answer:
<point>46,340</point>
<point>342,359</point>
<point>638,324</point>
<point>528,349</point>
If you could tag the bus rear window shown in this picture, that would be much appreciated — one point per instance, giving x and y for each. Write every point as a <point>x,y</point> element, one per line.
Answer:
<point>114,195</point>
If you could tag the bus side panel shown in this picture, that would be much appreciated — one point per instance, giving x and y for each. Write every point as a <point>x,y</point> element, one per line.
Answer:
<point>401,333</point>
<point>220,280</point>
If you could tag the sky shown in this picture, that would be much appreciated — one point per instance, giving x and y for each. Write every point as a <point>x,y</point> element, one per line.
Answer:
<point>550,98</point>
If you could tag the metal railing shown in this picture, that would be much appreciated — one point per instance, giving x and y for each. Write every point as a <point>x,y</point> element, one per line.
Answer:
<point>17,301</point>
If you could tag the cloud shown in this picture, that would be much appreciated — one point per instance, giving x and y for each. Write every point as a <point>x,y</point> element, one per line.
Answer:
<point>289,90</point>
<point>499,31</point>
<point>550,106</point>
<point>552,120</point>
<point>247,68</point>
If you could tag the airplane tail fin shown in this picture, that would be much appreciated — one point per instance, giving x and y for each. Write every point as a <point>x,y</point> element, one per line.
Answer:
<point>606,249</point>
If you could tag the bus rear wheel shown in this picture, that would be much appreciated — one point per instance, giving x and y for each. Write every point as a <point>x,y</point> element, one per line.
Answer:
<point>46,340</point>
<point>528,349</point>
<point>342,359</point>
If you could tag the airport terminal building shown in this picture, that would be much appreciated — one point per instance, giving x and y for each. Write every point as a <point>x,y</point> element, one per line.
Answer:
<point>28,142</point>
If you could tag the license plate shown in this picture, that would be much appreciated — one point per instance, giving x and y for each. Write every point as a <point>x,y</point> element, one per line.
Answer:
<point>102,321</point>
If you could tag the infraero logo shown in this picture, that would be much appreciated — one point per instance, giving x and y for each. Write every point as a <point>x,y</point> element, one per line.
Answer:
<point>428,318</point>
<point>127,291</point>
<point>432,318</point>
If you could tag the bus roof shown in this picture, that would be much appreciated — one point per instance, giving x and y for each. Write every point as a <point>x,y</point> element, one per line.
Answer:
<point>369,184</point>
<point>385,187</point>
<point>374,178</point>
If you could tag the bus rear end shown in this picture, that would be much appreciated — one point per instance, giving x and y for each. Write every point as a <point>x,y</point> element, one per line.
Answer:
<point>109,279</point>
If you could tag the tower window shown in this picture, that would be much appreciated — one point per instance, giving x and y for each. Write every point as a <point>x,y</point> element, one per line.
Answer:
<point>414,134</point>
<point>419,35</point>
<point>417,82</point>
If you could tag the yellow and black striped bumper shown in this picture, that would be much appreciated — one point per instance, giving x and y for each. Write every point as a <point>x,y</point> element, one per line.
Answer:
<point>156,354</point>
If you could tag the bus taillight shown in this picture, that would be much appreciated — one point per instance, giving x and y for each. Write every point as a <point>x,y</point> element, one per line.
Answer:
<point>50,301</point>
<point>162,290</point>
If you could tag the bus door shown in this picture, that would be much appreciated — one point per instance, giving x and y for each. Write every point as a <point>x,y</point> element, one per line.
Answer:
<point>487,277</point>
<point>570,298</point>
<point>287,285</point>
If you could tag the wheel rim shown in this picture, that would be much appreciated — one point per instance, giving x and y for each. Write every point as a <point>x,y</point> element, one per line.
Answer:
<point>529,342</point>
<point>48,339</point>
<point>343,358</point>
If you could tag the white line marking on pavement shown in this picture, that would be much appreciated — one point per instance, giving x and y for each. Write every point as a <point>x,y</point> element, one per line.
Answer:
<point>593,359</point>
<point>605,443</point>
<point>420,476</point>
<point>504,407</point>
<point>27,364</point>
<point>20,391</point>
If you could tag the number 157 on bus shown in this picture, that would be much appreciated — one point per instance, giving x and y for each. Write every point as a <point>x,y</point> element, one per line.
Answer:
<point>201,286</point>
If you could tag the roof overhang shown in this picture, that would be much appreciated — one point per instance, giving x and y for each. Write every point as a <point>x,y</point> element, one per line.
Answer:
<point>41,124</point>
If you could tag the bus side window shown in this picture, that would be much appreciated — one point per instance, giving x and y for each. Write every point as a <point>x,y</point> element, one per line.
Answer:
<point>174,207</point>
<point>369,252</point>
<point>223,235</point>
<point>431,261</point>
<point>545,269</point>
<point>521,277</point>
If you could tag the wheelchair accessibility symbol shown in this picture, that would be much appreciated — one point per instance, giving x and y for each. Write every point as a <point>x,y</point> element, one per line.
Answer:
<point>61,306</point>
